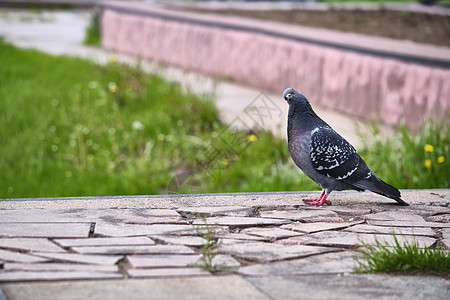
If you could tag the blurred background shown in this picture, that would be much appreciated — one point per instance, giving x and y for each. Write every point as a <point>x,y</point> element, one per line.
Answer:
<point>167,97</point>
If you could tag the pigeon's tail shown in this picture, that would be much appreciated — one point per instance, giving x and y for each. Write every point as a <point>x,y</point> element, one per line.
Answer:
<point>376,185</point>
<point>384,189</point>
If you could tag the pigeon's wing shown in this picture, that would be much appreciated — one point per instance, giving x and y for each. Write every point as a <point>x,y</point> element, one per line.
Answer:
<point>334,157</point>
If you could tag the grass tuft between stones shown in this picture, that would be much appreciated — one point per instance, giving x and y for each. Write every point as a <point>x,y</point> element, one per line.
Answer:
<point>407,258</point>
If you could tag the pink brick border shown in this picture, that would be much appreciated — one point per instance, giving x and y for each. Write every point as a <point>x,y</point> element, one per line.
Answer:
<point>353,83</point>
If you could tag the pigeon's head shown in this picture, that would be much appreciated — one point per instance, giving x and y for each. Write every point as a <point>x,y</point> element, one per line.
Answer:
<point>293,97</point>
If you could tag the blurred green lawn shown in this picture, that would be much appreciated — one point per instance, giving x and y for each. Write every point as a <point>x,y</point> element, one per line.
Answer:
<point>70,127</point>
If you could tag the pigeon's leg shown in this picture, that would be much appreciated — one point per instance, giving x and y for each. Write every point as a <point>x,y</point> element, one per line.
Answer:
<point>320,201</point>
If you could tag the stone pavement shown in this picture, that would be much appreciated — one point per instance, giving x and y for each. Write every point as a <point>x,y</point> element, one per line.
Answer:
<point>273,246</point>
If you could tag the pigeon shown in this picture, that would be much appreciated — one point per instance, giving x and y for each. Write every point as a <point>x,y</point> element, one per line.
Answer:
<point>326,157</point>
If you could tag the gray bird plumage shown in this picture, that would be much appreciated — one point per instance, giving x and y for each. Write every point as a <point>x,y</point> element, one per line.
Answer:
<point>325,156</point>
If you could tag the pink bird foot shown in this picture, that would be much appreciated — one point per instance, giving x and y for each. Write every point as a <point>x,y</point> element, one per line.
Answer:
<point>318,202</point>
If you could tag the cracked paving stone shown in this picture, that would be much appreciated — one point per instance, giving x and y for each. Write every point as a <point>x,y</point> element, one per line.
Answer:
<point>55,276</point>
<point>240,221</point>
<point>172,272</point>
<point>444,218</point>
<point>394,216</point>
<point>49,230</point>
<point>116,230</point>
<point>61,267</point>
<point>131,241</point>
<point>365,228</point>
<point>6,255</point>
<point>350,239</point>
<point>89,215</point>
<point>81,258</point>
<point>329,263</point>
<point>177,261</point>
<point>307,216</point>
<point>214,211</point>
<point>240,237</point>
<point>446,237</point>
<point>180,240</point>
<point>270,233</point>
<point>318,226</point>
<point>153,249</point>
<point>30,244</point>
<point>349,211</point>
<point>425,211</point>
<point>408,224</point>
<point>264,252</point>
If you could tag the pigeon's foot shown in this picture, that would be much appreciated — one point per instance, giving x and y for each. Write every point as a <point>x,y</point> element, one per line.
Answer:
<point>318,202</point>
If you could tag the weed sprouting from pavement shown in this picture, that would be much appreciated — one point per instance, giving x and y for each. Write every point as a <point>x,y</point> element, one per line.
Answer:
<point>408,258</point>
<point>209,248</point>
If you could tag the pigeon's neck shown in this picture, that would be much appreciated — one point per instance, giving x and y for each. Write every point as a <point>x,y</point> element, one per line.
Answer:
<point>302,119</point>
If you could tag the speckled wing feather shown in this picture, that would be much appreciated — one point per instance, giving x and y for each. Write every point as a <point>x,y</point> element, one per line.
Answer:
<point>334,157</point>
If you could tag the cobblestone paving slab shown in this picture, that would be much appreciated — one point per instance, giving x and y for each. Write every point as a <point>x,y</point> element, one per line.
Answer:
<point>318,226</point>
<point>446,237</point>
<point>49,230</point>
<point>350,239</point>
<point>81,258</point>
<point>195,241</point>
<point>408,224</point>
<point>351,286</point>
<point>309,215</point>
<point>264,252</point>
<point>161,261</point>
<point>444,218</point>
<point>90,215</point>
<point>394,216</point>
<point>138,240</point>
<point>426,211</point>
<point>240,221</point>
<point>214,211</point>
<point>118,230</point>
<point>177,261</point>
<point>179,272</point>
<point>349,211</point>
<point>196,287</point>
<point>271,234</point>
<point>365,228</point>
<point>30,244</point>
<point>61,267</point>
<point>6,255</point>
<point>52,276</point>
<point>155,249</point>
<point>339,262</point>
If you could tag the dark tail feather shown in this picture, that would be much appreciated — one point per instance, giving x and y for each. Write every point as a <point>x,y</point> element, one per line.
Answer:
<point>376,185</point>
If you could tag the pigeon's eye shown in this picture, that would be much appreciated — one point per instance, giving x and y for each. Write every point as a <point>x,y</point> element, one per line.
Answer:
<point>288,97</point>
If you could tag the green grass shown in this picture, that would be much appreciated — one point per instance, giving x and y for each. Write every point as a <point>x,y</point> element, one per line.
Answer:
<point>93,32</point>
<point>403,259</point>
<point>70,127</point>
<point>412,159</point>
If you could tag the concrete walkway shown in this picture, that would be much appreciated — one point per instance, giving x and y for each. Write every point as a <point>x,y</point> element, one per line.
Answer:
<point>273,246</point>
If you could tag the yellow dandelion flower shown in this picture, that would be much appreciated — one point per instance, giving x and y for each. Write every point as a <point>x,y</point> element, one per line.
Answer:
<point>113,58</point>
<point>225,162</point>
<point>427,163</point>
<point>112,87</point>
<point>428,148</point>
<point>252,137</point>
<point>440,159</point>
